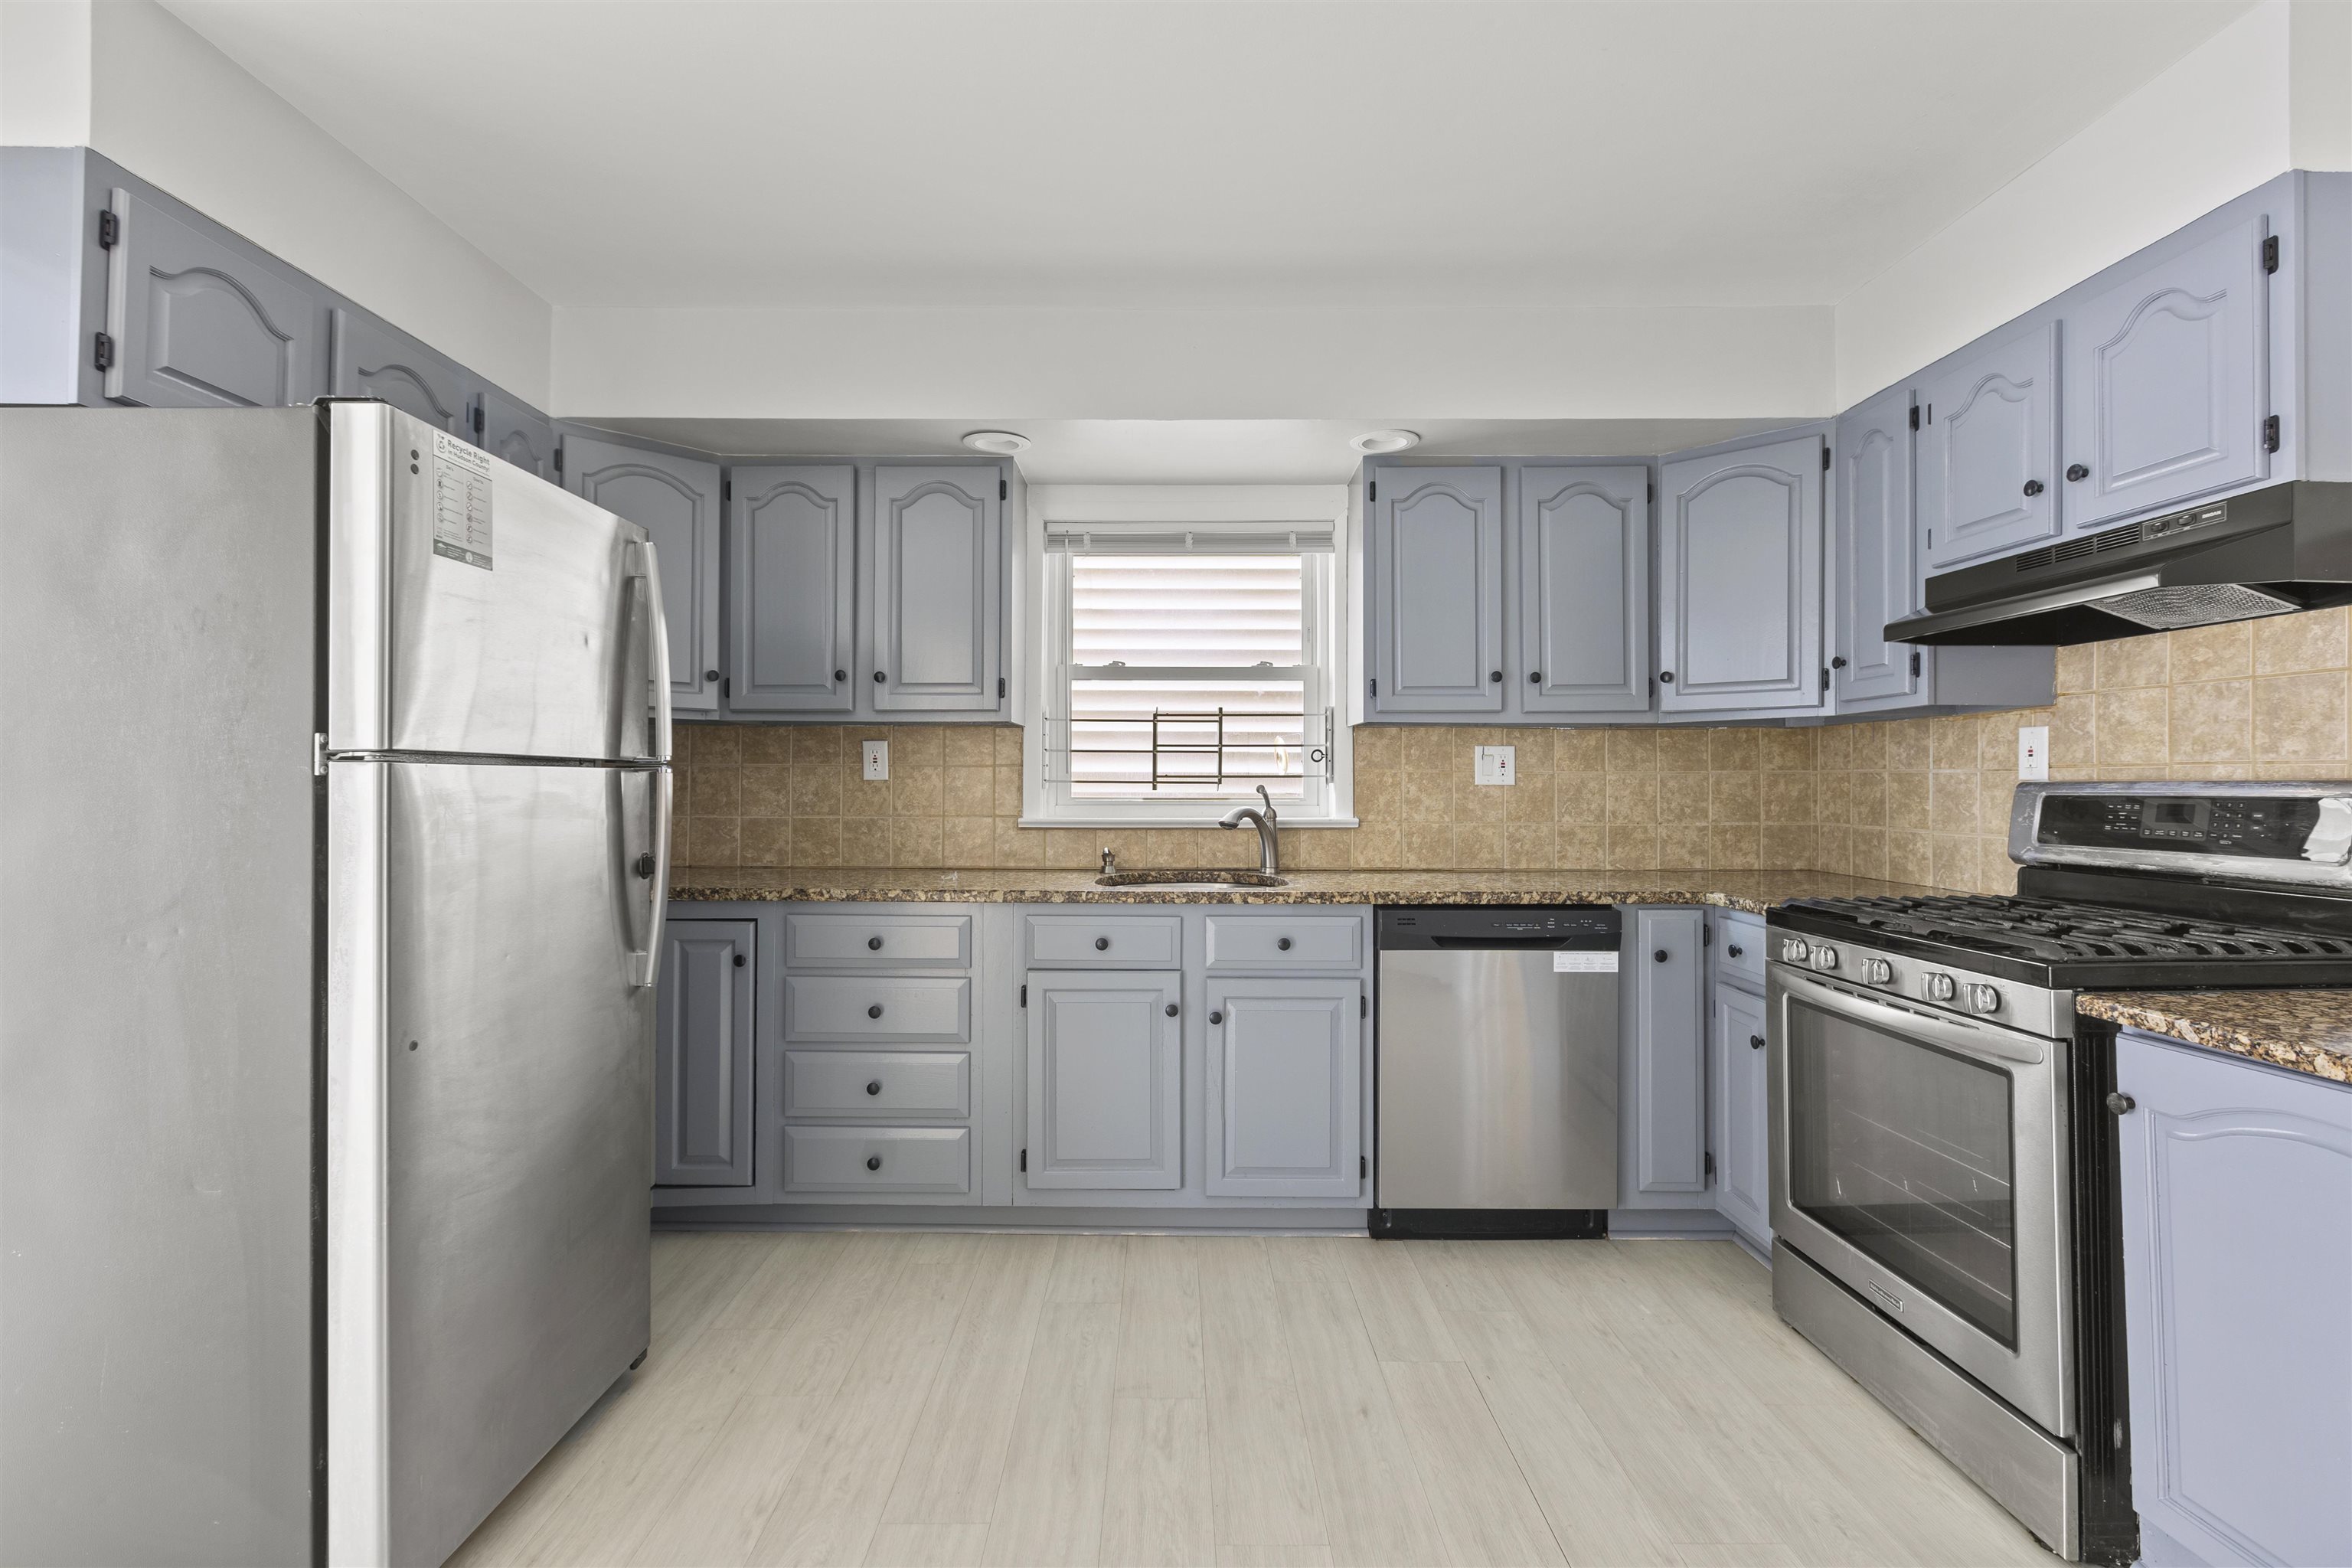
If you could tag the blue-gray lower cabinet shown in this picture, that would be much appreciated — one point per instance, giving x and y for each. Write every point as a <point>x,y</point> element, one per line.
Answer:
<point>1740,574</point>
<point>1285,1088</point>
<point>937,583</point>
<point>369,358</point>
<point>1989,470</point>
<point>195,322</point>
<point>1436,612</point>
<point>2167,383</point>
<point>702,1055</point>
<point>1741,1132</point>
<point>792,585</point>
<point>1669,1150</point>
<point>2236,1211</point>
<point>1105,1080</point>
<point>1584,589</point>
<point>676,501</point>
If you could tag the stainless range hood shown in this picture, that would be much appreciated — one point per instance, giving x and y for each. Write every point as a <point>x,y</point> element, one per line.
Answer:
<point>2267,553</point>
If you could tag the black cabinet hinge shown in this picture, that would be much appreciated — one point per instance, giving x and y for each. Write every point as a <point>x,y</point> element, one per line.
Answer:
<point>1915,417</point>
<point>2270,254</point>
<point>109,230</point>
<point>1024,1159</point>
<point>1371,489</point>
<point>1652,488</point>
<point>1710,1167</point>
<point>726,686</point>
<point>2270,434</point>
<point>1375,685</point>
<point>1825,677</point>
<point>481,421</point>
<point>1004,489</point>
<point>1363,1166</point>
<point>102,353</point>
<point>559,459</point>
<point>1363,1007</point>
<point>1707,934</point>
<point>1000,689</point>
<point>1024,995</point>
<point>725,491</point>
<point>1914,662</point>
<point>1826,457</point>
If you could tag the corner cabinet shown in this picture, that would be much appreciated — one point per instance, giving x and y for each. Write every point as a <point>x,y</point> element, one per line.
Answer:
<point>676,501</point>
<point>791,581</point>
<point>2237,1268</point>
<point>937,585</point>
<point>1874,567</point>
<point>1285,1088</point>
<point>1989,471</point>
<point>1739,569</point>
<point>1584,589</point>
<point>1105,1080</point>
<point>1436,624</point>
<point>702,1055</point>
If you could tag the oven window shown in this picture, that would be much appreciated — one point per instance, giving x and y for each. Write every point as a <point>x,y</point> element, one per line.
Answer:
<point>1905,1152</point>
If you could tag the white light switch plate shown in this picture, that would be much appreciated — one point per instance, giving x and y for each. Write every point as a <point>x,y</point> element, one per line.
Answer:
<point>2033,753</point>
<point>878,761</point>
<point>1497,765</point>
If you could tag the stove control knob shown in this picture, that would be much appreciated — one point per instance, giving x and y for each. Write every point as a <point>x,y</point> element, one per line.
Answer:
<point>1826,957</point>
<point>1985,998</point>
<point>1796,949</point>
<point>1939,987</point>
<point>1878,972</point>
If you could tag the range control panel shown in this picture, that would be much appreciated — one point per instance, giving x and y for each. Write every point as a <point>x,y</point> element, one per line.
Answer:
<point>2281,831</point>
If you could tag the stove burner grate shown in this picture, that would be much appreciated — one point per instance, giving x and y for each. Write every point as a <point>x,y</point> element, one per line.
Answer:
<point>2054,931</point>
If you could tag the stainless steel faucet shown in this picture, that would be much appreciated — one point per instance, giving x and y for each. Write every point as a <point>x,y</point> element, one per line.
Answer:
<point>1111,862</point>
<point>1268,853</point>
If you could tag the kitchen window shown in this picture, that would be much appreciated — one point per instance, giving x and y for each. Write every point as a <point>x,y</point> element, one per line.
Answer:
<point>1183,668</point>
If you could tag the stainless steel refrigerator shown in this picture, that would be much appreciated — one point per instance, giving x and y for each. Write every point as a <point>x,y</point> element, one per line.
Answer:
<point>334,834</point>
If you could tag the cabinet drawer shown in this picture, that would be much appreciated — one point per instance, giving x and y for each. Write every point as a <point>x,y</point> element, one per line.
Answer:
<point>1100,942</point>
<point>922,942</point>
<point>878,1083</point>
<point>1740,949</point>
<point>877,1159</point>
<point>1307,941</point>
<point>878,1008</point>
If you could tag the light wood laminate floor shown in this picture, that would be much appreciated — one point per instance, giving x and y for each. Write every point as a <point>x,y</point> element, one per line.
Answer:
<point>929,1398</point>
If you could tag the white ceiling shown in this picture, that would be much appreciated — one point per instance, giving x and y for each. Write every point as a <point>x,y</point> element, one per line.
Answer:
<point>1187,451</point>
<point>1773,151</point>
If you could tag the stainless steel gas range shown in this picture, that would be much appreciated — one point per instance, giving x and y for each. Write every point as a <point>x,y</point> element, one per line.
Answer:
<point>1944,1181</point>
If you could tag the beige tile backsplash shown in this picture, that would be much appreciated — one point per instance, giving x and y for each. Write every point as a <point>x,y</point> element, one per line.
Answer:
<point>1914,800</point>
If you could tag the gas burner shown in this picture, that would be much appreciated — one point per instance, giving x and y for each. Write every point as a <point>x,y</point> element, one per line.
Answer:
<point>2055,931</point>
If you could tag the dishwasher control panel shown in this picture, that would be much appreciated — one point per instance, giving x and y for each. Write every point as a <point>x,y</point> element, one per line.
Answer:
<point>1508,926</point>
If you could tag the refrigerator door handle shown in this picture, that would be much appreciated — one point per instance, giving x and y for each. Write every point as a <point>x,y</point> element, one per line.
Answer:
<point>658,628</point>
<point>644,968</point>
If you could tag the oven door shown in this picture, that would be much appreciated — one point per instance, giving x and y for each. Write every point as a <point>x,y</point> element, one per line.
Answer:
<point>1920,1158</point>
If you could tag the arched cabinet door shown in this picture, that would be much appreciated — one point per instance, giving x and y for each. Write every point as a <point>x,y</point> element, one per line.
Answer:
<point>1876,578</point>
<point>368,359</point>
<point>197,324</point>
<point>1990,478</point>
<point>513,432</point>
<point>791,571</point>
<point>2168,383</point>
<point>676,500</point>
<point>1437,611</point>
<point>937,570</point>
<point>1584,589</point>
<point>1739,558</point>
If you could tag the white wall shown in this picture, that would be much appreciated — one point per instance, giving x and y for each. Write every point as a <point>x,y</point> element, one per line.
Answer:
<point>2319,80</point>
<point>1099,364</point>
<point>2212,127</point>
<point>132,80</point>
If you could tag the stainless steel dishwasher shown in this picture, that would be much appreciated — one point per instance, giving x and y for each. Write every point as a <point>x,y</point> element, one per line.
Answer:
<point>1497,1064</point>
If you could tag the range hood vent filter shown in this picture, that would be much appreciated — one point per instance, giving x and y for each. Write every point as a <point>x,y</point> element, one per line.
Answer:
<point>2195,604</point>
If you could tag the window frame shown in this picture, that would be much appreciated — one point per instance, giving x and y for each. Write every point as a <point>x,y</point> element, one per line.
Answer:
<point>1203,510</point>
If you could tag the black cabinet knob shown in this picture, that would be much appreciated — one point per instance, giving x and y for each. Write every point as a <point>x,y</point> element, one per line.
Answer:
<point>879,677</point>
<point>1495,675</point>
<point>1661,956</point>
<point>872,1162</point>
<point>1755,1042</point>
<point>2121,1104</point>
<point>874,1011</point>
<point>645,864</point>
<point>1837,661</point>
<point>1735,950</point>
<point>1216,1017</point>
<point>1534,678</point>
<point>1171,1009</point>
<point>1102,944</point>
<point>875,1087</point>
<point>1666,675</point>
<point>739,961</point>
<point>710,675</point>
<point>840,675</point>
<point>874,945</point>
<point>1282,944</point>
<point>2033,487</point>
<point>2076,473</point>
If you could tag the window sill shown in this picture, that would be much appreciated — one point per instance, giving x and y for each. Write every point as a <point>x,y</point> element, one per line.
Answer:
<point>1138,824</point>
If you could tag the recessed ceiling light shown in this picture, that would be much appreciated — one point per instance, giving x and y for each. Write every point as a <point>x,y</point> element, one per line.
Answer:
<point>1004,443</point>
<point>1376,442</point>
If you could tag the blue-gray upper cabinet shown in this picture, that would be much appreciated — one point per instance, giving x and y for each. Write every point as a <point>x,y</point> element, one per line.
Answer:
<point>2237,1239</point>
<point>792,584</point>
<point>513,431</point>
<point>1875,548</point>
<point>368,359</point>
<point>1584,589</point>
<point>1285,1088</point>
<point>2167,381</point>
<point>1739,561</point>
<point>1669,1152</point>
<point>1106,1070</point>
<point>676,501</point>
<point>1989,471</point>
<point>1437,572</point>
<point>938,588</point>
<point>702,1055</point>
<point>197,324</point>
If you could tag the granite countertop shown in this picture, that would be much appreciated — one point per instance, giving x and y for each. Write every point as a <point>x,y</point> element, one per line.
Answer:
<point>2307,1031</point>
<point>1754,892</point>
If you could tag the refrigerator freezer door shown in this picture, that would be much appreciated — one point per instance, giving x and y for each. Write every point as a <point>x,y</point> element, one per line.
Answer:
<point>490,1128</point>
<point>474,609</point>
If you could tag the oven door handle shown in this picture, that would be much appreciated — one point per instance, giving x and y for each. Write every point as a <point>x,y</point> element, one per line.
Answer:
<point>1981,1041</point>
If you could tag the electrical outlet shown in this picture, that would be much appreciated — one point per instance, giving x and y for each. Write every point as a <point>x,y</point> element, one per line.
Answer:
<point>1495,766</point>
<point>2033,753</point>
<point>878,761</point>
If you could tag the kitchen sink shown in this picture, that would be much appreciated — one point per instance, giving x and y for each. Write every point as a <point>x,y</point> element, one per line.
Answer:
<point>1196,879</point>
